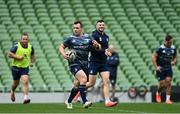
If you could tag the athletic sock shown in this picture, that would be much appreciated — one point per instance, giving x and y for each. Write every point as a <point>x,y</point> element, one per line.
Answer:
<point>167,97</point>
<point>73,93</point>
<point>107,100</point>
<point>25,97</point>
<point>82,89</point>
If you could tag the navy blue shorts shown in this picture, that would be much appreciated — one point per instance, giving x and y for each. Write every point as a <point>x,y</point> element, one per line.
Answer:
<point>75,68</point>
<point>95,67</point>
<point>18,72</point>
<point>112,79</point>
<point>165,72</point>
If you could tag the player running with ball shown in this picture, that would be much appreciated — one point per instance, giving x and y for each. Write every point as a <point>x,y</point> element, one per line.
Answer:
<point>81,43</point>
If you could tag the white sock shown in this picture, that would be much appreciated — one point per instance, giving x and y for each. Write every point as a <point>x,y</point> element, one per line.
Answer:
<point>78,98</point>
<point>25,97</point>
<point>167,97</point>
<point>107,100</point>
<point>12,91</point>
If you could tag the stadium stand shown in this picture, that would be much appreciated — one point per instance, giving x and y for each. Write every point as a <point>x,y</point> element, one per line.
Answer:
<point>135,27</point>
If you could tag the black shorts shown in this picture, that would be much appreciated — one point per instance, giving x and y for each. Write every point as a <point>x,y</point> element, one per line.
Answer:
<point>95,67</point>
<point>18,72</point>
<point>75,68</point>
<point>112,79</point>
<point>165,72</point>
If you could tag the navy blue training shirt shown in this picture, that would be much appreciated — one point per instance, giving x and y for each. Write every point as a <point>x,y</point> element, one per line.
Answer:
<point>103,39</point>
<point>81,45</point>
<point>165,55</point>
<point>113,62</point>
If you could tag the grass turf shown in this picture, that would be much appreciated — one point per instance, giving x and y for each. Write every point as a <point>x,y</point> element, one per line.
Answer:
<point>95,108</point>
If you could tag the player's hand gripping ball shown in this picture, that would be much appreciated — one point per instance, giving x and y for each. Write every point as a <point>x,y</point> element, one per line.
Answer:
<point>71,55</point>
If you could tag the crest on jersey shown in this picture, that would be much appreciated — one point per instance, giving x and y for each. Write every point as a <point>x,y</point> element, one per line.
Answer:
<point>73,40</point>
<point>75,69</point>
<point>100,39</point>
<point>164,51</point>
<point>91,71</point>
<point>87,40</point>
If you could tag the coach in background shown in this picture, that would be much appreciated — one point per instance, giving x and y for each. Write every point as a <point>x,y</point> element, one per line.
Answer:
<point>164,57</point>
<point>112,63</point>
<point>22,55</point>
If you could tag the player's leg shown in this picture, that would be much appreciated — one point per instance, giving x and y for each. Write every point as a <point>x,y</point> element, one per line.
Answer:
<point>16,77</point>
<point>168,78</point>
<point>101,92</point>
<point>105,80</point>
<point>74,90</point>
<point>82,78</point>
<point>91,82</point>
<point>113,91</point>
<point>160,78</point>
<point>159,89</point>
<point>112,79</point>
<point>13,88</point>
<point>25,81</point>
<point>93,67</point>
<point>73,93</point>
<point>77,96</point>
<point>168,89</point>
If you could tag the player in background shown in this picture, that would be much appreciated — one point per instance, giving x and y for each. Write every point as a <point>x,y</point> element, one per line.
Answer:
<point>113,62</point>
<point>98,62</point>
<point>163,58</point>
<point>81,43</point>
<point>23,56</point>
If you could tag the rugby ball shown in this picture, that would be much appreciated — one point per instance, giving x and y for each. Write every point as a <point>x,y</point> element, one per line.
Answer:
<point>71,55</point>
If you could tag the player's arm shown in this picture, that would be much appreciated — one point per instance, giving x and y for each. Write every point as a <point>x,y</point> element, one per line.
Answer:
<point>94,42</point>
<point>107,51</point>
<point>154,59</point>
<point>174,60</point>
<point>62,47</point>
<point>62,51</point>
<point>96,45</point>
<point>12,54</point>
<point>33,59</point>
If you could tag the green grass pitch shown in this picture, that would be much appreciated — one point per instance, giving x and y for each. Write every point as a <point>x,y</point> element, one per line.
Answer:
<point>133,108</point>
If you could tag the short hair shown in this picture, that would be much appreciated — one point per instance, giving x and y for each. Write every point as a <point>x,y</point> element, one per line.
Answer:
<point>100,21</point>
<point>168,38</point>
<point>25,34</point>
<point>78,22</point>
